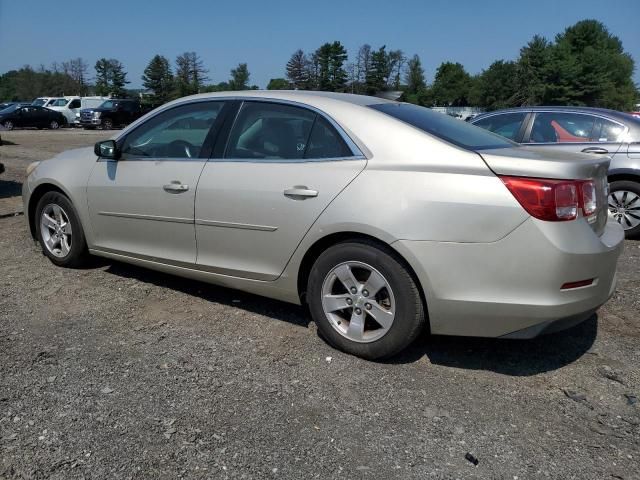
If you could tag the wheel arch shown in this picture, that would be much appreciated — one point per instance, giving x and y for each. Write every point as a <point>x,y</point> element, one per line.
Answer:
<point>35,197</point>
<point>322,244</point>
<point>622,175</point>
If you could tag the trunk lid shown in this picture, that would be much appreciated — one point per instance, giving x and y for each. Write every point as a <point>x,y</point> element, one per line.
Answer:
<point>556,164</point>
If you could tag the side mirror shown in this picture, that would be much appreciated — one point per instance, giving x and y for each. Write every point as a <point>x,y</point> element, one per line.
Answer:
<point>107,149</point>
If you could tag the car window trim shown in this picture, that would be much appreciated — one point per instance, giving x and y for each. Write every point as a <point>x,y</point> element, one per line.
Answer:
<point>596,116</point>
<point>355,150</point>
<point>207,145</point>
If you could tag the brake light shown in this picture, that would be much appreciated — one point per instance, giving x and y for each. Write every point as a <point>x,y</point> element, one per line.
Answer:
<point>553,200</point>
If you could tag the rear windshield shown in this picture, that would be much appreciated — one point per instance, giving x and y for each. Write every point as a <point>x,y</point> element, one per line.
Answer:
<point>445,127</point>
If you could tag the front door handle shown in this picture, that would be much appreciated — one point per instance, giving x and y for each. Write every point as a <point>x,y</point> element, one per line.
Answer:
<point>175,187</point>
<point>300,192</point>
<point>600,150</point>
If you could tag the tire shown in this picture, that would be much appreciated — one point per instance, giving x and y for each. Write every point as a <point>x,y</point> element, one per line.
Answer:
<point>624,206</point>
<point>398,301</point>
<point>107,124</point>
<point>9,125</point>
<point>66,252</point>
<point>54,125</point>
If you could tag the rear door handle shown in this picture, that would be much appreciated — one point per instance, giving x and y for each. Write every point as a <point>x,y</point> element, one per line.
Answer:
<point>175,187</point>
<point>300,191</point>
<point>600,150</point>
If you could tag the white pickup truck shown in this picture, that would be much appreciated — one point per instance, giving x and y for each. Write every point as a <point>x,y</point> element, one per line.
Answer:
<point>70,107</point>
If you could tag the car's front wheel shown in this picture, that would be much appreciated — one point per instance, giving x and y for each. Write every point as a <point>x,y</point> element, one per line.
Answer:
<point>9,125</point>
<point>59,231</point>
<point>107,124</point>
<point>364,300</point>
<point>624,206</point>
<point>54,125</point>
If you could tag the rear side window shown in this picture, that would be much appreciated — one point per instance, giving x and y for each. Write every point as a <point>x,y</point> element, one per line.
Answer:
<point>506,124</point>
<point>325,142</point>
<point>445,127</point>
<point>270,131</point>
<point>608,131</point>
<point>559,127</point>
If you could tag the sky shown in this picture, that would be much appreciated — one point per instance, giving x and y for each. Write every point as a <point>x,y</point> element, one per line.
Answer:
<point>265,34</point>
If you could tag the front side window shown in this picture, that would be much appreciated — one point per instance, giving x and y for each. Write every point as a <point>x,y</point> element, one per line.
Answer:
<point>270,131</point>
<point>507,124</point>
<point>179,132</point>
<point>559,127</point>
<point>449,129</point>
<point>61,102</point>
<point>75,103</point>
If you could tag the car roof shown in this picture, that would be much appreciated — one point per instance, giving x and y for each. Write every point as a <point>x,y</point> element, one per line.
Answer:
<point>313,98</point>
<point>556,108</point>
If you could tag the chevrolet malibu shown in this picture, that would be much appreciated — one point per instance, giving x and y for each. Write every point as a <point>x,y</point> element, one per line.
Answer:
<point>384,217</point>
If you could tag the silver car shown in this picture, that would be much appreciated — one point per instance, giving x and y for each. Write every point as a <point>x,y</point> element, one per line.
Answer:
<point>582,129</point>
<point>384,217</point>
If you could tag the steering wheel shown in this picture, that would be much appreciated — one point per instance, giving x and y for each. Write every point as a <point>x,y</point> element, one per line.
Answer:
<point>180,147</point>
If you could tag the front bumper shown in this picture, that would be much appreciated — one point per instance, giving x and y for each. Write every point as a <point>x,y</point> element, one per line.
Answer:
<point>511,287</point>
<point>91,123</point>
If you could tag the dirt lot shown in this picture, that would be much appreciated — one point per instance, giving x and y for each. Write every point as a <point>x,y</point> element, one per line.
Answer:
<point>117,372</point>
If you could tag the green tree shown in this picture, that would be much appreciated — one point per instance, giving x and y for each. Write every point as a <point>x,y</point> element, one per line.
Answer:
<point>190,74</point>
<point>278,84</point>
<point>451,86</point>
<point>110,77</point>
<point>414,77</point>
<point>378,72</point>
<point>298,70</point>
<point>590,67</point>
<point>495,87</point>
<point>239,78</point>
<point>330,61</point>
<point>532,72</point>
<point>158,78</point>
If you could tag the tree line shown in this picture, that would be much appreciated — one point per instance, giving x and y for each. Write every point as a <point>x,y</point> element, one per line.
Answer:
<point>584,65</point>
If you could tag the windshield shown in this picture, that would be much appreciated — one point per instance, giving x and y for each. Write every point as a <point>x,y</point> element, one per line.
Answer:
<point>108,104</point>
<point>61,102</point>
<point>10,109</point>
<point>445,127</point>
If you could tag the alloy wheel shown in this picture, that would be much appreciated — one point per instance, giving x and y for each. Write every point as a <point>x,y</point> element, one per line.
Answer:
<point>8,125</point>
<point>624,207</point>
<point>54,125</point>
<point>55,229</point>
<point>358,302</point>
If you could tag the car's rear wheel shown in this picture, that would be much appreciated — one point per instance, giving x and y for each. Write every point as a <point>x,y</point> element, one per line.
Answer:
<point>364,300</point>
<point>54,125</point>
<point>9,125</point>
<point>59,231</point>
<point>107,124</point>
<point>624,206</point>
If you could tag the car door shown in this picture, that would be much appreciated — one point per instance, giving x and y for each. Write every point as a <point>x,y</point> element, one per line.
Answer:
<point>576,132</point>
<point>143,204</point>
<point>282,166</point>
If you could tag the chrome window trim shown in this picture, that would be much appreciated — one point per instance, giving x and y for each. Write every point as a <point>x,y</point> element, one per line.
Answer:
<point>355,150</point>
<point>573,112</point>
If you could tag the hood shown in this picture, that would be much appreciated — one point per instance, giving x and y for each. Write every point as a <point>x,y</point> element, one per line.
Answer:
<point>545,163</point>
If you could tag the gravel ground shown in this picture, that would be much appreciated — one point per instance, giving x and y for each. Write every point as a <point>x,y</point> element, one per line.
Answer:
<point>117,372</point>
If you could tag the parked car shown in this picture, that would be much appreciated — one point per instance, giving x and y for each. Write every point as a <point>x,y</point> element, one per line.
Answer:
<point>10,104</point>
<point>383,217</point>
<point>111,113</point>
<point>67,106</point>
<point>43,101</point>
<point>581,129</point>
<point>31,116</point>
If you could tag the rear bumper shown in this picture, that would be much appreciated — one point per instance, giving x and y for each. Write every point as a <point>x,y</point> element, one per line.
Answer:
<point>511,288</point>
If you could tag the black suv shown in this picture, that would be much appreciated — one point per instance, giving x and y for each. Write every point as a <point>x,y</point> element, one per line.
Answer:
<point>112,113</point>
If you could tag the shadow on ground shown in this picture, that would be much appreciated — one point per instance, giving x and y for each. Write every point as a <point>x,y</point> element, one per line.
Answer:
<point>508,357</point>
<point>10,188</point>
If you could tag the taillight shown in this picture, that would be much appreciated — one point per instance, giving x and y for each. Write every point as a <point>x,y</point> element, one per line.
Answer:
<point>553,200</point>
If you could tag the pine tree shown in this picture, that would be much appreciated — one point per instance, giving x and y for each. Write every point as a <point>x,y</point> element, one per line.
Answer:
<point>110,78</point>
<point>331,73</point>
<point>415,75</point>
<point>298,70</point>
<point>158,78</point>
<point>239,78</point>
